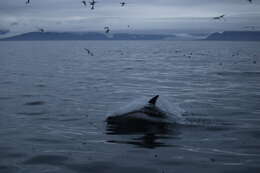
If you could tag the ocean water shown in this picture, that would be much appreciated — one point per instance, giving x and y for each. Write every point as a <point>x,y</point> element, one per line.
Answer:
<point>54,98</point>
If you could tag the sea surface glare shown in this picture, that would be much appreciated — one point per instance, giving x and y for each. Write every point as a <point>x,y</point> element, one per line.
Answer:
<point>54,99</point>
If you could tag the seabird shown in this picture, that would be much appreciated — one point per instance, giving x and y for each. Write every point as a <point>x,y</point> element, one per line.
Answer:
<point>122,4</point>
<point>250,1</point>
<point>107,30</point>
<point>41,29</point>
<point>84,3</point>
<point>89,52</point>
<point>219,17</point>
<point>27,2</point>
<point>92,3</point>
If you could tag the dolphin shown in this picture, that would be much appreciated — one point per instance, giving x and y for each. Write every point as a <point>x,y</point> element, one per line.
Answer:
<point>147,118</point>
<point>147,114</point>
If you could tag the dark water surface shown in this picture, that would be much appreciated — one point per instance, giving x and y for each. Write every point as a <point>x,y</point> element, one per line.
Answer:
<point>54,99</point>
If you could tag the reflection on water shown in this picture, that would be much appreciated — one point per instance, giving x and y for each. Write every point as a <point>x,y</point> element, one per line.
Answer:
<point>146,141</point>
<point>150,134</point>
<point>138,127</point>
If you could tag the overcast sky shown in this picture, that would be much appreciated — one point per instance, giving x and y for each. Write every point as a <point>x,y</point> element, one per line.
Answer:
<point>152,15</point>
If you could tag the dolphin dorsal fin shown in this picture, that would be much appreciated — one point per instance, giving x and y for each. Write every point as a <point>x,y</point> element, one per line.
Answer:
<point>153,100</point>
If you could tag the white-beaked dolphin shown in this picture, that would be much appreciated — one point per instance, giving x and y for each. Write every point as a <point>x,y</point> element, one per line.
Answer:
<point>149,113</point>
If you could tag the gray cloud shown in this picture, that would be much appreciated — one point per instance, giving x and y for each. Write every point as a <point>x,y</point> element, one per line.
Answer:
<point>172,15</point>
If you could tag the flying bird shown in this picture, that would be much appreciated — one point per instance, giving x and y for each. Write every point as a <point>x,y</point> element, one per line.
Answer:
<point>41,29</point>
<point>122,4</point>
<point>219,17</point>
<point>89,52</point>
<point>84,3</point>
<point>107,30</point>
<point>27,2</point>
<point>92,4</point>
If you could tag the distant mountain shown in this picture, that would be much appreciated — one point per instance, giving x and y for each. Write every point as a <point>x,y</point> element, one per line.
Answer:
<point>4,31</point>
<point>85,36</point>
<point>125,36</point>
<point>235,36</point>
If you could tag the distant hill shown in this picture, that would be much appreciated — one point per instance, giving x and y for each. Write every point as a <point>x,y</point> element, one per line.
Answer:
<point>85,36</point>
<point>235,36</point>
<point>4,31</point>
